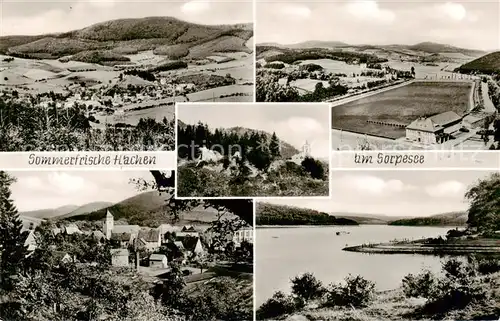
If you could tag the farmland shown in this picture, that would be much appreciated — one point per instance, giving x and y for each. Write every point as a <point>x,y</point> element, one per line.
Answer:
<point>401,105</point>
<point>120,74</point>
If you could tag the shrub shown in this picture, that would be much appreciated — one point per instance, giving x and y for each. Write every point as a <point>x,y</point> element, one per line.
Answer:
<point>420,285</point>
<point>279,304</point>
<point>356,292</point>
<point>313,167</point>
<point>306,287</point>
<point>488,265</point>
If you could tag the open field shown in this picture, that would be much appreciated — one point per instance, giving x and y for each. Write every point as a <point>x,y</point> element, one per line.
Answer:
<point>215,93</point>
<point>401,105</point>
<point>133,117</point>
<point>336,66</point>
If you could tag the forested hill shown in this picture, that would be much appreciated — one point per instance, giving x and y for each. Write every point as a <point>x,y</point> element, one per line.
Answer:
<point>164,35</point>
<point>271,214</point>
<point>487,64</point>
<point>447,219</point>
<point>201,134</point>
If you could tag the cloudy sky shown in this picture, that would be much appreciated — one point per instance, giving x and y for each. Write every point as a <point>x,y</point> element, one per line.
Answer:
<point>293,123</point>
<point>470,24</point>
<point>52,189</point>
<point>42,16</point>
<point>395,193</point>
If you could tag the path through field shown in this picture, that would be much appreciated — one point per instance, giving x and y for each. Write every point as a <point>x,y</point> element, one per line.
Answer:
<point>488,104</point>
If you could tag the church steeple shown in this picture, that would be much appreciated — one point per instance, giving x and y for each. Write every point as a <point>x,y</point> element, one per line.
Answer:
<point>306,149</point>
<point>108,225</point>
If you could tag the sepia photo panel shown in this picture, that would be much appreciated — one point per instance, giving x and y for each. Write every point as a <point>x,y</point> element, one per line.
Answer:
<point>117,245</point>
<point>399,75</point>
<point>421,245</point>
<point>253,150</point>
<point>105,75</point>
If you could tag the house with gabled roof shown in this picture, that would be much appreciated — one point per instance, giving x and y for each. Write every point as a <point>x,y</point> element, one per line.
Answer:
<point>424,130</point>
<point>30,241</point>
<point>158,261</point>
<point>149,238</point>
<point>72,229</point>
<point>120,257</point>
<point>434,129</point>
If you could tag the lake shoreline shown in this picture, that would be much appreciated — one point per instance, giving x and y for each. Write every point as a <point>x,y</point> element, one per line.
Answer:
<point>423,247</point>
<point>335,225</point>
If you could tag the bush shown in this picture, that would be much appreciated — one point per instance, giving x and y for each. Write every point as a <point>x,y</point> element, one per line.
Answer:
<point>459,287</point>
<point>313,167</point>
<point>279,304</point>
<point>306,287</point>
<point>420,285</point>
<point>357,292</point>
<point>488,265</point>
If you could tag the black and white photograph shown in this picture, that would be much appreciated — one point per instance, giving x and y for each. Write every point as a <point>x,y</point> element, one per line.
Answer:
<point>253,150</point>
<point>399,74</point>
<point>116,245</point>
<point>85,75</point>
<point>388,245</point>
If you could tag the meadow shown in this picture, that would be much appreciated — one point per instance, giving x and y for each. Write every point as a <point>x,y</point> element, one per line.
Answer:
<point>215,93</point>
<point>401,105</point>
<point>336,66</point>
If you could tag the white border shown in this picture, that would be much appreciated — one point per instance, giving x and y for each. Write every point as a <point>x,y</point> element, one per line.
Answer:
<point>250,104</point>
<point>351,166</point>
<point>254,247</point>
<point>14,161</point>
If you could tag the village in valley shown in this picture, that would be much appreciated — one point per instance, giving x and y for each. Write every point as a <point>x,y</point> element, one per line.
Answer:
<point>113,85</point>
<point>181,257</point>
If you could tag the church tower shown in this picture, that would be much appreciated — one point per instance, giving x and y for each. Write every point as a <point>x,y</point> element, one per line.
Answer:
<point>306,149</point>
<point>108,225</point>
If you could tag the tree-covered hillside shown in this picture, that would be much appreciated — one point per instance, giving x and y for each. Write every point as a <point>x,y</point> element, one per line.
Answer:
<point>271,214</point>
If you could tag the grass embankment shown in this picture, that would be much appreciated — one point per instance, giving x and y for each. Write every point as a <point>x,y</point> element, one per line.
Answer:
<point>466,289</point>
<point>433,246</point>
<point>393,305</point>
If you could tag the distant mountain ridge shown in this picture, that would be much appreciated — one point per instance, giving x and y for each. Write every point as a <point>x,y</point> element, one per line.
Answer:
<point>148,209</point>
<point>164,35</point>
<point>145,209</point>
<point>273,214</point>
<point>425,47</point>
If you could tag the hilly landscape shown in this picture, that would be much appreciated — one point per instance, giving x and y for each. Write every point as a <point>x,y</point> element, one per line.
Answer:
<point>167,36</point>
<point>487,64</point>
<point>145,209</point>
<point>272,214</point>
<point>446,219</point>
<point>424,52</point>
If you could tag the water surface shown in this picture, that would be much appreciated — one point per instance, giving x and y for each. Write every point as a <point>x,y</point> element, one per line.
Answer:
<point>282,253</point>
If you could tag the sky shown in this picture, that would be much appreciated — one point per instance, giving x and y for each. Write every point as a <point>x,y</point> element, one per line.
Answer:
<point>394,193</point>
<point>292,123</point>
<point>35,17</point>
<point>53,189</point>
<point>468,24</point>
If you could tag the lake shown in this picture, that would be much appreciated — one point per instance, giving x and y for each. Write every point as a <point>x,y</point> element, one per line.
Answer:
<point>282,253</point>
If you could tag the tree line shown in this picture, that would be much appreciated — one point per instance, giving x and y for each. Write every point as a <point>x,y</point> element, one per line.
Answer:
<point>256,147</point>
<point>27,127</point>
<point>270,214</point>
